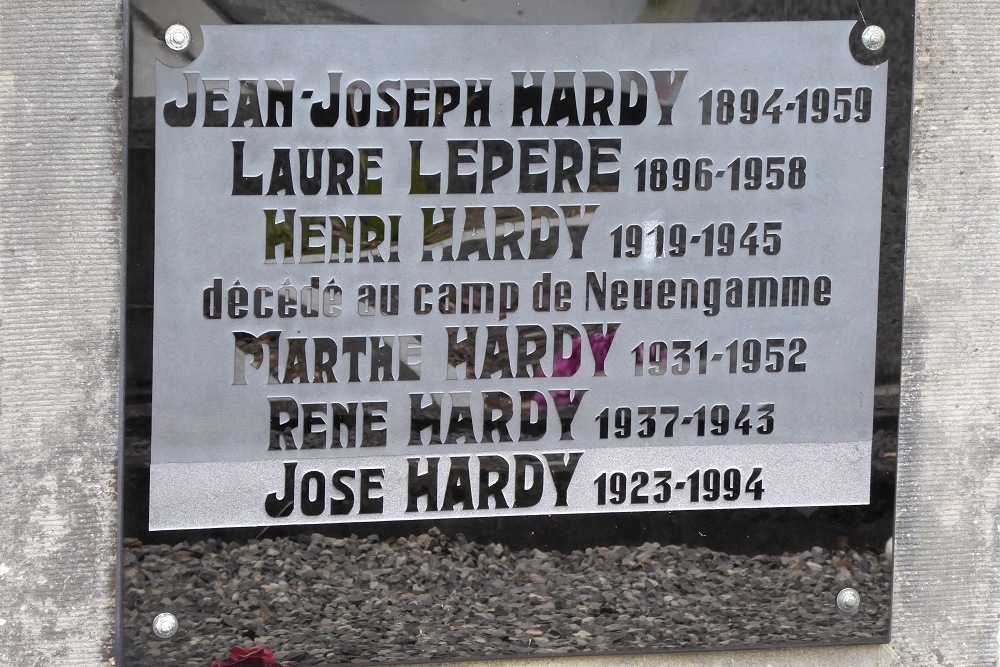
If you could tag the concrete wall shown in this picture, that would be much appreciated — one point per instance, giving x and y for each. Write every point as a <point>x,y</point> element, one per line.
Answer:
<point>60,266</point>
<point>61,240</point>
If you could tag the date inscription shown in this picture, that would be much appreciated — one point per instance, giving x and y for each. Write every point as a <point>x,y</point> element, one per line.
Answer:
<point>659,486</point>
<point>668,421</point>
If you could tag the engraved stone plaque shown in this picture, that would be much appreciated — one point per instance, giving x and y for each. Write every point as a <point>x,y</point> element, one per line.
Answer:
<point>442,280</point>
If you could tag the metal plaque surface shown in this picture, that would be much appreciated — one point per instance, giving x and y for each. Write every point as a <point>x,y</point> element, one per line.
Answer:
<point>475,271</point>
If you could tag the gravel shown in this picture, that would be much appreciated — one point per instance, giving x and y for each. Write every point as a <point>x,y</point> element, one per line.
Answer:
<point>319,600</point>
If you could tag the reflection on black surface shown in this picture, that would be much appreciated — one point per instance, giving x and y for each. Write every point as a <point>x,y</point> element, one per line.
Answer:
<point>430,595</point>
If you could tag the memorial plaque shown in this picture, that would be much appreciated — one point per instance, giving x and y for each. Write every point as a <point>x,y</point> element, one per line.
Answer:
<point>444,284</point>
<point>392,283</point>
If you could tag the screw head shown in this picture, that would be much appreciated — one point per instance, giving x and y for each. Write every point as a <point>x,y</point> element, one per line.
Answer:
<point>849,601</point>
<point>873,38</point>
<point>165,625</point>
<point>177,37</point>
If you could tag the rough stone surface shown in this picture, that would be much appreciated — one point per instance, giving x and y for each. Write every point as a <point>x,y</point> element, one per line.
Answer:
<point>946,597</point>
<point>60,262</point>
